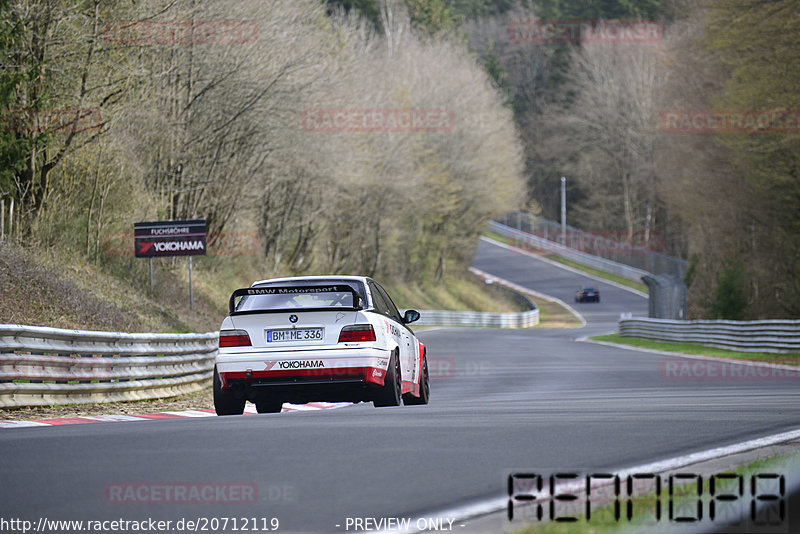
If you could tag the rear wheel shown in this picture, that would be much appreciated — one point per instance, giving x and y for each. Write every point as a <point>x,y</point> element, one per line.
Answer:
<point>268,406</point>
<point>224,401</point>
<point>424,386</point>
<point>391,394</point>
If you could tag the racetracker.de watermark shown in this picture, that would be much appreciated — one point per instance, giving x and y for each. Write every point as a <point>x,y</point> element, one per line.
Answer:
<point>181,32</point>
<point>54,120</point>
<point>444,367</point>
<point>585,31</point>
<point>378,120</point>
<point>704,370</point>
<point>194,493</point>
<point>729,121</point>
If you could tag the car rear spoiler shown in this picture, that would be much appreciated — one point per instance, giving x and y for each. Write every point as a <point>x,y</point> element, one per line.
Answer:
<point>282,290</point>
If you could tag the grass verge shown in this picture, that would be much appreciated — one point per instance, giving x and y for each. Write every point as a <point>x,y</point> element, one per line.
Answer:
<point>575,265</point>
<point>602,274</point>
<point>454,292</point>
<point>554,315</point>
<point>702,350</point>
<point>52,287</point>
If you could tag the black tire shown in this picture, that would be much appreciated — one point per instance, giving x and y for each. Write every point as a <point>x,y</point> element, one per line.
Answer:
<point>391,394</point>
<point>424,386</point>
<point>269,406</point>
<point>224,402</point>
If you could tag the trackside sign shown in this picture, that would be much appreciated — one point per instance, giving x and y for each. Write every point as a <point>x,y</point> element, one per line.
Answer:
<point>170,238</point>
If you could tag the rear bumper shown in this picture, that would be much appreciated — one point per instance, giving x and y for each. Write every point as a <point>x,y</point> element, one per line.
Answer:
<point>270,369</point>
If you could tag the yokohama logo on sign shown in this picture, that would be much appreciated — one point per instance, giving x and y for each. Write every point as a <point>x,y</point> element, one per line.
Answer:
<point>170,238</point>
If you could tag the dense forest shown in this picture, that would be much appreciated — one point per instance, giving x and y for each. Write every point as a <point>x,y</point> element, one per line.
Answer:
<point>592,111</point>
<point>210,123</point>
<point>105,123</point>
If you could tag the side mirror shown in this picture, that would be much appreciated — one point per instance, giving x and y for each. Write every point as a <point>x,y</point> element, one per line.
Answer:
<point>410,316</point>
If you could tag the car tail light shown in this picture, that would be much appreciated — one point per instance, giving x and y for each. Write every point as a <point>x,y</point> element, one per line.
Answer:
<point>357,332</point>
<point>234,338</point>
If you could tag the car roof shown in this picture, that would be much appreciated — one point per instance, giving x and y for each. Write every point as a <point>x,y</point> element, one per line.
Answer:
<point>348,278</point>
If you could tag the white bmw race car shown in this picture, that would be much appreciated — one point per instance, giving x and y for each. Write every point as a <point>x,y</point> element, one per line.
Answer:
<point>317,338</point>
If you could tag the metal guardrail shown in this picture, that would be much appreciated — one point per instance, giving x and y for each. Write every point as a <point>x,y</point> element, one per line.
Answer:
<point>778,336</point>
<point>42,366</point>
<point>611,245</point>
<point>478,319</point>
<point>540,243</point>
<point>524,319</point>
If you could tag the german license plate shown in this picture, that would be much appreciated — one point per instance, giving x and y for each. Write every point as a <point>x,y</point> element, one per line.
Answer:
<point>294,334</point>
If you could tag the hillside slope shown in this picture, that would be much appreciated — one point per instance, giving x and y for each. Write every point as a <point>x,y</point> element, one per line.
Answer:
<point>46,287</point>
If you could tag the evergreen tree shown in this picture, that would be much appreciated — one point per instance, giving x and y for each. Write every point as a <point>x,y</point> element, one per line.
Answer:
<point>730,301</point>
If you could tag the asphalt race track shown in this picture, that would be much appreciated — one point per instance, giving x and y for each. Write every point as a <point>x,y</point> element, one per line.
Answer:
<point>533,400</point>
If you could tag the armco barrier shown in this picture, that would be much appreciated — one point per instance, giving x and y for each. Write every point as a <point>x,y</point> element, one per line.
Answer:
<point>478,319</point>
<point>525,239</point>
<point>524,319</point>
<point>776,336</point>
<point>617,246</point>
<point>43,366</point>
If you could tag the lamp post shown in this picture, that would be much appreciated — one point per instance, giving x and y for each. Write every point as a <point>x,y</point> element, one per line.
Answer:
<point>563,211</point>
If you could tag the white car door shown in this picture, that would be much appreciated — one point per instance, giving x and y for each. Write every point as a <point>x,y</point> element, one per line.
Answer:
<point>407,360</point>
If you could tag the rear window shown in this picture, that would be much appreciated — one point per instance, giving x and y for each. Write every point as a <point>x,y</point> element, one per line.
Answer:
<point>297,296</point>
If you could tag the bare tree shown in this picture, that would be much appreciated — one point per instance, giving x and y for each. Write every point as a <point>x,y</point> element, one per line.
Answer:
<point>610,130</point>
<point>70,81</point>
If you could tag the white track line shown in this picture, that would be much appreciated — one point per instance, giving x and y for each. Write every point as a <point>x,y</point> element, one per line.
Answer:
<point>107,418</point>
<point>113,418</point>
<point>300,407</point>
<point>192,413</point>
<point>20,424</point>
<point>565,267</point>
<point>533,292</point>
<point>460,514</point>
